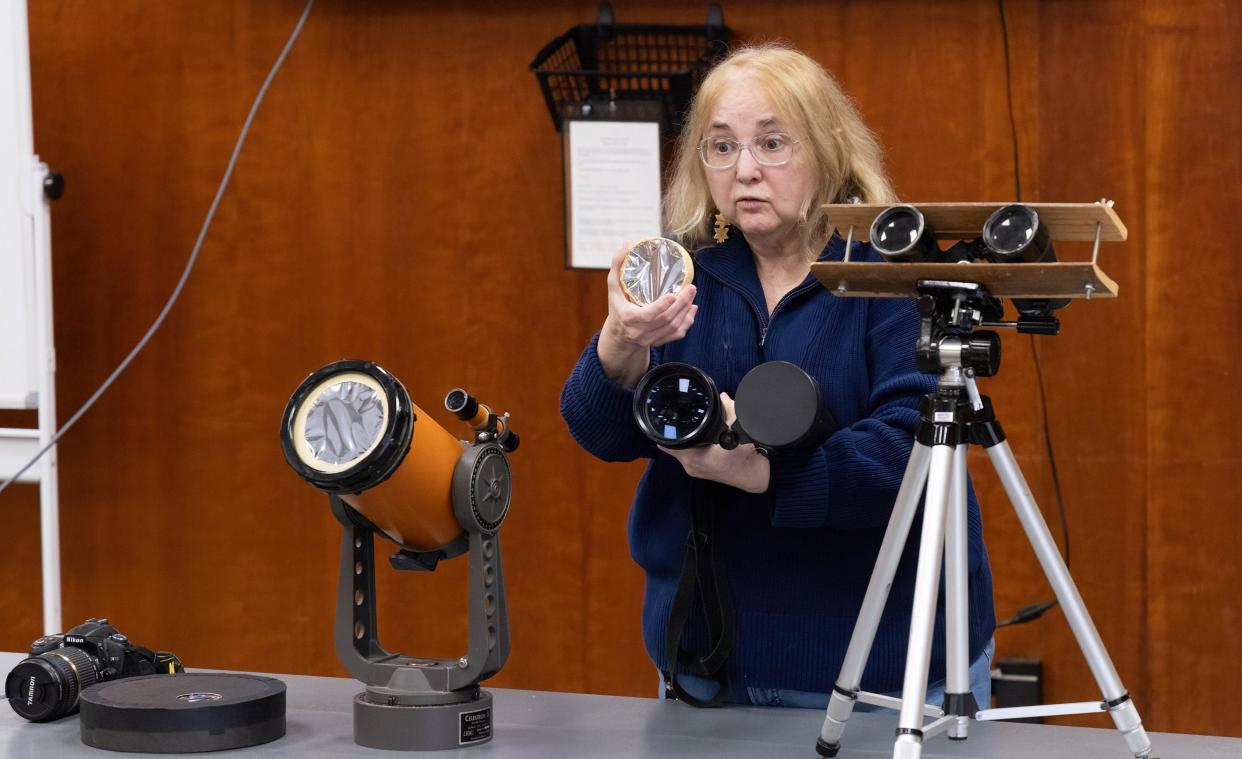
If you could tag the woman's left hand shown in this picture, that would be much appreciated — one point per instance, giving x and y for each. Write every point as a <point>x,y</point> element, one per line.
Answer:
<point>743,467</point>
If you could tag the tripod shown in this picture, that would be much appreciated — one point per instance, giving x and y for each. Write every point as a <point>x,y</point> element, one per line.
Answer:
<point>953,416</point>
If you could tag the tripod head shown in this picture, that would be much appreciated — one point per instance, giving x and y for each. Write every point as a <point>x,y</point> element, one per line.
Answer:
<point>950,312</point>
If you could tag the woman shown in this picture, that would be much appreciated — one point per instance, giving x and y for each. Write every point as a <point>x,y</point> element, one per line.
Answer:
<point>770,139</point>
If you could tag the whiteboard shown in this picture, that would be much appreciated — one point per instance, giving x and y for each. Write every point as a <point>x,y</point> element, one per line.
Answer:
<point>18,376</point>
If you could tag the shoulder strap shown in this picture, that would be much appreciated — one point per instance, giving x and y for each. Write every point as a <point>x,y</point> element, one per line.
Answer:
<point>704,568</point>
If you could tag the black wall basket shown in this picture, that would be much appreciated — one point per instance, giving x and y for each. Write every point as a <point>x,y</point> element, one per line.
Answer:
<point>628,72</point>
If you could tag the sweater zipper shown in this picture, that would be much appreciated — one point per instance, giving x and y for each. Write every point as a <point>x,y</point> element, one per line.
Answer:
<point>767,323</point>
<point>762,313</point>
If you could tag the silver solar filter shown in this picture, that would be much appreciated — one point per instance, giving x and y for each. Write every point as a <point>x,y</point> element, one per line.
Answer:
<point>342,422</point>
<point>653,267</point>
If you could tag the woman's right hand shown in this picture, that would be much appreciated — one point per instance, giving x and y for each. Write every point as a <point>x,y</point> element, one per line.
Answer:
<point>630,331</point>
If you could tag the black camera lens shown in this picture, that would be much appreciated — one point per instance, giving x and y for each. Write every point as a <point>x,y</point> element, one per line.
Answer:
<point>677,406</point>
<point>901,233</point>
<point>46,687</point>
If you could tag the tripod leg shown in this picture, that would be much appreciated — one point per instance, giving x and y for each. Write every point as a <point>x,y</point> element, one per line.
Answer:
<point>1116,699</point>
<point>958,698</point>
<point>909,743</point>
<point>844,694</point>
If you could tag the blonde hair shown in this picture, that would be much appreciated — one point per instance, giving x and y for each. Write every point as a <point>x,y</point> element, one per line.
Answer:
<point>844,154</point>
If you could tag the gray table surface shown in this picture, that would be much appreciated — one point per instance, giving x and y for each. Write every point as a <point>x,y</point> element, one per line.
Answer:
<point>538,725</point>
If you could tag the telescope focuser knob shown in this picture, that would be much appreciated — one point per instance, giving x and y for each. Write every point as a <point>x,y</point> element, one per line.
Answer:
<point>510,441</point>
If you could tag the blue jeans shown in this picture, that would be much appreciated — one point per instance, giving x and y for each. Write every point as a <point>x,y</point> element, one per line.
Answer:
<point>700,687</point>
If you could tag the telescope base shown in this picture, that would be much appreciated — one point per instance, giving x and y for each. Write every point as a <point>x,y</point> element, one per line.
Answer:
<point>429,727</point>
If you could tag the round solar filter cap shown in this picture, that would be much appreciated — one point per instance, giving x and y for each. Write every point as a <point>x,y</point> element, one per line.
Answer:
<point>183,713</point>
<point>654,267</point>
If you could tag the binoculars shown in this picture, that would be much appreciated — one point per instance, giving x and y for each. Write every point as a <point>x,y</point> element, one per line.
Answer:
<point>778,405</point>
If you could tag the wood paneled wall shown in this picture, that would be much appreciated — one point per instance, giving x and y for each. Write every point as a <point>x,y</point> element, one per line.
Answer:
<point>400,199</point>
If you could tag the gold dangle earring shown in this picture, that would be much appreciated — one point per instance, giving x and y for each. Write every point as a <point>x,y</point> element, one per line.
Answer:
<point>722,228</point>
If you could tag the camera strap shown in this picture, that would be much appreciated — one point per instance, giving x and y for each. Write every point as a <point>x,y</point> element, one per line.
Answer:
<point>704,570</point>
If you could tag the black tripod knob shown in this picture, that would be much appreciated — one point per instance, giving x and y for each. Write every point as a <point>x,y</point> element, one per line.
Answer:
<point>982,352</point>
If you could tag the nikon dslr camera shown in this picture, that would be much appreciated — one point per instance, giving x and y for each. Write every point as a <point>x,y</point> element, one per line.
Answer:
<point>46,686</point>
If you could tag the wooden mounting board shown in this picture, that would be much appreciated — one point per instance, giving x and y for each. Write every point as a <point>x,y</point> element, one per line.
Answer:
<point>964,221</point>
<point>1059,280</point>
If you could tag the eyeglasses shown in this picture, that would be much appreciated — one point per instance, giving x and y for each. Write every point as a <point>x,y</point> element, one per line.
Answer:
<point>774,149</point>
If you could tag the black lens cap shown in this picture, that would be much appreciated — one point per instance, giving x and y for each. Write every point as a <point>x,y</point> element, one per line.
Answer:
<point>36,690</point>
<point>778,405</point>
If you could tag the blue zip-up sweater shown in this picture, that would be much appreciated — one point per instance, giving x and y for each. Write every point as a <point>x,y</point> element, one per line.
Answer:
<point>799,556</point>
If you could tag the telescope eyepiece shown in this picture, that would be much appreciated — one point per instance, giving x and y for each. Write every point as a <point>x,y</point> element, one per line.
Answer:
<point>461,404</point>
